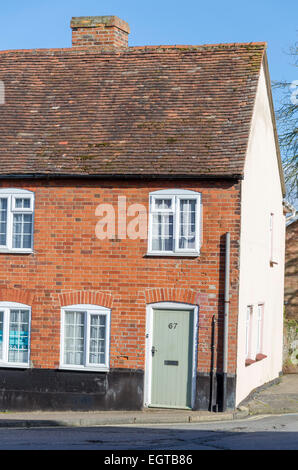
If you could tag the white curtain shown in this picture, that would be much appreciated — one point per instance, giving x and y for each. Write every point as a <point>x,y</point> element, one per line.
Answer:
<point>18,336</point>
<point>3,220</point>
<point>97,339</point>
<point>162,232</point>
<point>187,223</point>
<point>74,338</point>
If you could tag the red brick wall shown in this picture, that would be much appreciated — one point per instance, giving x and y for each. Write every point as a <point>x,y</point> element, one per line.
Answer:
<point>70,264</point>
<point>99,36</point>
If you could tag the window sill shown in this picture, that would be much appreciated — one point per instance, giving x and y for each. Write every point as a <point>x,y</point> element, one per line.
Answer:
<point>12,365</point>
<point>249,362</point>
<point>85,369</point>
<point>192,254</point>
<point>15,252</point>
<point>260,357</point>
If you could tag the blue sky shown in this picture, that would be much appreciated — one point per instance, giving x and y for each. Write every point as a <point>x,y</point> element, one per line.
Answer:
<point>41,24</point>
<point>27,24</point>
<point>37,23</point>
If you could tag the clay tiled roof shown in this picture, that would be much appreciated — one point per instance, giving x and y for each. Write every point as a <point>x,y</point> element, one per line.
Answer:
<point>180,110</point>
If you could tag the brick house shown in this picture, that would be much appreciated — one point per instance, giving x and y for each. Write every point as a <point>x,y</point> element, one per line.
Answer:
<point>290,343</point>
<point>291,270</point>
<point>105,138</point>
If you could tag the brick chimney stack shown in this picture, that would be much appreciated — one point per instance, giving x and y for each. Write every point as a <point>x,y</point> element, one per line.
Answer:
<point>106,31</point>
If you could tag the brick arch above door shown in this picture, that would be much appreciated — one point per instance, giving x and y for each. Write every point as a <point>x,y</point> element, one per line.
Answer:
<point>85,297</point>
<point>167,294</point>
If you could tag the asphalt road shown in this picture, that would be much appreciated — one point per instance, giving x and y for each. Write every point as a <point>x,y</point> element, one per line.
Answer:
<point>259,433</point>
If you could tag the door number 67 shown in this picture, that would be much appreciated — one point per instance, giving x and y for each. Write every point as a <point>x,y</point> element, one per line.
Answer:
<point>172,326</point>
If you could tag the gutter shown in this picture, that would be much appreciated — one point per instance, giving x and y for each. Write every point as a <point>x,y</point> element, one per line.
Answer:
<point>118,176</point>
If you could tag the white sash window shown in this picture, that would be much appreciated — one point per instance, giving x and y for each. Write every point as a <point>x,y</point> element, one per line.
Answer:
<point>85,337</point>
<point>14,334</point>
<point>174,222</point>
<point>260,319</point>
<point>16,220</point>
<point>248,331</point>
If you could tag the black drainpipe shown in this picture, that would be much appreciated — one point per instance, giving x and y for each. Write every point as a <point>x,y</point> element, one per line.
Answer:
<point>226,322</point>
<point>212,405</point>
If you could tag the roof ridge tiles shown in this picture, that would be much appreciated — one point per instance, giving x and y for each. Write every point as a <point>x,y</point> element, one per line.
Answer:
<point>147,48</point>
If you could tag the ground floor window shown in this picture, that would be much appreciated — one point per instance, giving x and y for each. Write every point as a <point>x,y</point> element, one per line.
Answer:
<point>260,320</point>
<point>248,331</point>
<point>85,337</point>
<point>254,334</point>
<point>14,334</point>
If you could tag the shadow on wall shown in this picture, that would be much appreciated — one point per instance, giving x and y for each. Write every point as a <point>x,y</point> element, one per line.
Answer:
<point>290,350</point>
<point>290,347</point>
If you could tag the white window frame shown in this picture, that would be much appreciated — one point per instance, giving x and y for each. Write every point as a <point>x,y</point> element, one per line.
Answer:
<point>6,307</point>
<point>260,329</point>
<point>248,331</point>
<point>11,195</point>
<point>88,310</point>
<point>176,195</point>
<point>273,259</point>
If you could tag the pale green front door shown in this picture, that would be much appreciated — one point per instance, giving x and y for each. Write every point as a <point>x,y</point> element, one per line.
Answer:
<point>172,358</point>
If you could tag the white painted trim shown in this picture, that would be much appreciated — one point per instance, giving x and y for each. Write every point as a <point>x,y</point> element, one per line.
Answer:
<point>180,254</point>
<point>87,306</point>
<point>85,368</point>
<point>22,209</point>
<point>148,345</point>
<point>4,304</point>
<point>88,310</point>
<point>17,191</point>
<point>16,250</point>
<point>14,365</point>
<point>174,192</point>
<point>153,198</point>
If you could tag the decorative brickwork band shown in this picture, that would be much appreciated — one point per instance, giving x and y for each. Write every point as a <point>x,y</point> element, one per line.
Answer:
<point>17,295</point>
<point>86,297</point>
<point>166,294</point>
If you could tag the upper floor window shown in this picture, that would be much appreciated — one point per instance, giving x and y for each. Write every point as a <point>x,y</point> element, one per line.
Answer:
<point>14,334</point>
<point>273,257</point>
<point>174,222</point>
<point>16,220</point>
<point>85,337</point>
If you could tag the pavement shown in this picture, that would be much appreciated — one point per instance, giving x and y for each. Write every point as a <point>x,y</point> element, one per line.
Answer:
<point>282,397</point>
<point>111,418</point>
